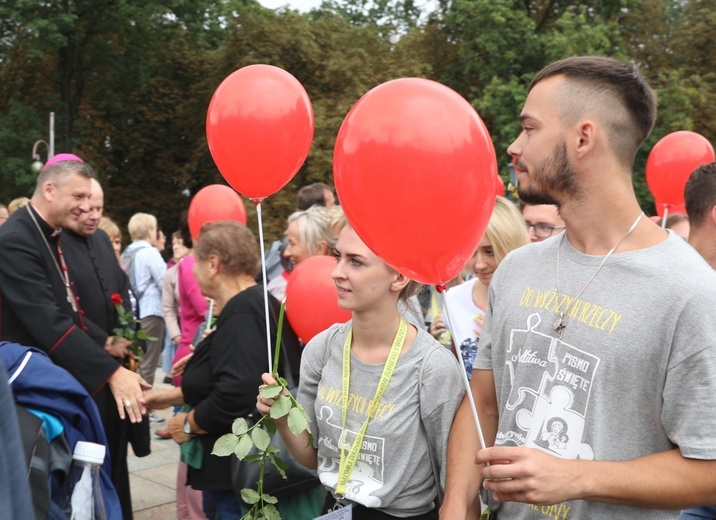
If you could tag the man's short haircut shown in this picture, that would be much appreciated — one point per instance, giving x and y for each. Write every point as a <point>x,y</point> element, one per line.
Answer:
<point>621,97</point>
<point>312,195</point>
<point>140,225</point>
<point>700,193</point>
<point>58,172</point>
<point>233,243</point>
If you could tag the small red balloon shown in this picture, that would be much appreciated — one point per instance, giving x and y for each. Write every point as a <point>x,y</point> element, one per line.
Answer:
<point>214,203</point>
<point>414,168</point>
<point>671,162</point>
<point>311,298</point>
<point>259,127</point>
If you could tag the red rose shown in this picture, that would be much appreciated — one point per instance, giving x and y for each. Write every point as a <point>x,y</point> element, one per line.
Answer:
<point>117,299</point>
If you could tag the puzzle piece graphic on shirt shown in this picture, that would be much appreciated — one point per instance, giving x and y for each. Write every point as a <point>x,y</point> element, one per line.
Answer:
<point>367,475</point>
<point>529,350</point>
<point>554,428</point>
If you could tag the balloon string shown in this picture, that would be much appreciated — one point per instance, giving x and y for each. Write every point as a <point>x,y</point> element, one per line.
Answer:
<point>666,214</point>
<point>263,272</point>
<point>465,380</point>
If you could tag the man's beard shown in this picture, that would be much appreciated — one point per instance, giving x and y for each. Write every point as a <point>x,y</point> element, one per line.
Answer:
<point>550,180</point>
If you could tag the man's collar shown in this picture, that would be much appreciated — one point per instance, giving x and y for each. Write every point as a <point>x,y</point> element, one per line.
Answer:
<point>47,228</point>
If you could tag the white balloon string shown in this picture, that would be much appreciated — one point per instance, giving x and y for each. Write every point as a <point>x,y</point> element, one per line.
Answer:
<point>266,300</point>
<point>465,380</point>
<point>666,214</point>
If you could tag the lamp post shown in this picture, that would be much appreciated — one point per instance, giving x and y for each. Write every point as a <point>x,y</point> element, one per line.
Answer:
<point>37,164</point>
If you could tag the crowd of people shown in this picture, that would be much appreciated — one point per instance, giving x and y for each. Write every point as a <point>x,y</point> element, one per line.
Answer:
<point>581,326</point>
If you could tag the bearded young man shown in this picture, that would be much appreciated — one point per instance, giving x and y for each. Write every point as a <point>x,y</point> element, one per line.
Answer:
<point>603,329</point>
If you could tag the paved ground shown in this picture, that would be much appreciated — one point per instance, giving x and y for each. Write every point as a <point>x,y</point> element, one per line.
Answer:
<point>153,478</point>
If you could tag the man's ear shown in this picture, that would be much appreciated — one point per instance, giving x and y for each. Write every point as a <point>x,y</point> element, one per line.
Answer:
<point>585,137</point>
<point>48,190</point>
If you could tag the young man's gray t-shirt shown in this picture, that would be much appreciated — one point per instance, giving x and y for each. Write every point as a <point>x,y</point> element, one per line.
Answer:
<point>393,472</point>
<point>634,373</point>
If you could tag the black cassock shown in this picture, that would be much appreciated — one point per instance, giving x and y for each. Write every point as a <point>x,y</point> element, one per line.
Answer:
<point>35,311</point>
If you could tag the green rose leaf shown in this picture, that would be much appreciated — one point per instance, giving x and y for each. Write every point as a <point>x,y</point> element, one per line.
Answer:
<point>141,334</point>
<point>271,391</point>
<point>271,513</point>
<point>243,447</point>
<point>261,438</point>
<point>281,407</point>
<point>224,445</point>
<point>296,421</point>
<point>239,426</point>
<point>269,425</point>
<point>280,465</point>
<point>250,496</point>
<point>269,499</point>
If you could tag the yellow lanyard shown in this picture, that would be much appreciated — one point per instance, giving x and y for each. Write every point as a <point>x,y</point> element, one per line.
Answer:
<point>348,462</point>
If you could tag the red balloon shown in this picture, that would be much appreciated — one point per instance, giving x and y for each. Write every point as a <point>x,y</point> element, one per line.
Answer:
<point>414,168</point>
<point>259,127</point>
<point>311,298</point>
<point>214,203</point>
<point>671,162</point>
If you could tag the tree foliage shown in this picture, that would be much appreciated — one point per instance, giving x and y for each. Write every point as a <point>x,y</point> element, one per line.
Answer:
<point>130,81</point>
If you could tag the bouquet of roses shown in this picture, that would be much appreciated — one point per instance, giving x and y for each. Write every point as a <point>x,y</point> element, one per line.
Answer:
<point>128,329</point>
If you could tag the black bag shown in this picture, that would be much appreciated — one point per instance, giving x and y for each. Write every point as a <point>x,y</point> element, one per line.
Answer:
<point>300,478</point>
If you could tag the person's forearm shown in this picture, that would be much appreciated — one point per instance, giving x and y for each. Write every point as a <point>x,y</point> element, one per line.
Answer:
<point>664,480</point>
<point>463,475</point>
<point>298,445</point>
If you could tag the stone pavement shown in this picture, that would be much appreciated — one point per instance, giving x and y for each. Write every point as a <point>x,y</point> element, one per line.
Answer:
<point>153,478</point>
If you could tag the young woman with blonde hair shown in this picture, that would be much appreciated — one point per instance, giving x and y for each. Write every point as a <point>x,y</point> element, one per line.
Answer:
<point>467,302</point>
<point>406,428</point>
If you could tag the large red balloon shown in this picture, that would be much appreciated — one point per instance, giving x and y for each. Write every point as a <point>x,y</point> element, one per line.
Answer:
<point>312,299</point>
<point>259,127</point>
<point>415,169</point>
<point>214,203</point>
<point>671,162</point>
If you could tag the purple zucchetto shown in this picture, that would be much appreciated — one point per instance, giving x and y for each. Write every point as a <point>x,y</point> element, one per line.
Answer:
<point>61,157</point>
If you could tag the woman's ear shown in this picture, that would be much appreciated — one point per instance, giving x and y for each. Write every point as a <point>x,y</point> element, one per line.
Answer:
<point>214,265</point>
<point>323,247</point>
<point>399,283</point>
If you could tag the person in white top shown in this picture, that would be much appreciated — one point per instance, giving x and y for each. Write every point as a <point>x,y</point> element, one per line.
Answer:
<point>466,304</point>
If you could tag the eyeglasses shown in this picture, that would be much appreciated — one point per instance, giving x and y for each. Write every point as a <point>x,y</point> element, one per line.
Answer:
<point>542,230</point>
